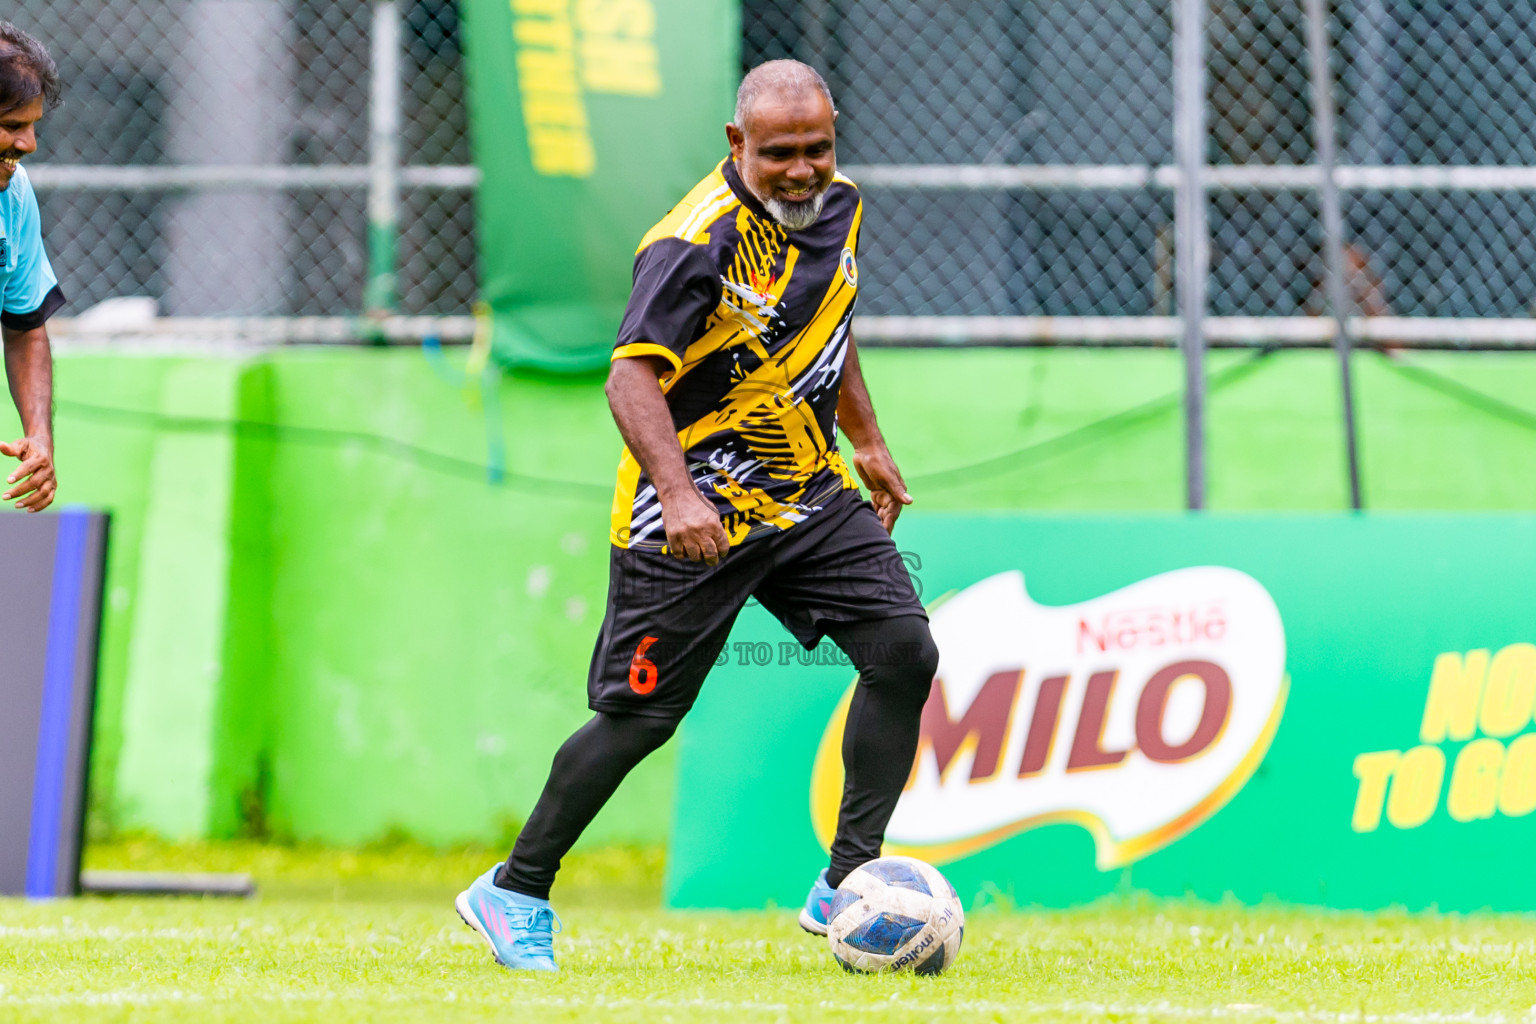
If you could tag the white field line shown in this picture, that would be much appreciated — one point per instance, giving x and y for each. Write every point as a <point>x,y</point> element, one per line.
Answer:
<point>874,1007</point>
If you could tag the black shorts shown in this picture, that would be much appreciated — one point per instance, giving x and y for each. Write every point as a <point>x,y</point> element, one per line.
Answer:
<point>668,619</point>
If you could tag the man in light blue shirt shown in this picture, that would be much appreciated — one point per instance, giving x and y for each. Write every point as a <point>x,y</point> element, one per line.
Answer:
<point>29,291</point>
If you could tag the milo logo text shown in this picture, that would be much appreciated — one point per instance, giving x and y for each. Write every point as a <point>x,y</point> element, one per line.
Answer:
<point>984,726</point>
<point>1136,714</point>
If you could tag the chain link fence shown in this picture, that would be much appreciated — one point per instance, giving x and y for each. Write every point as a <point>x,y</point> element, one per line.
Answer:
<point>214,155</point>
<point>1017,158</point>
<point>983,85</point>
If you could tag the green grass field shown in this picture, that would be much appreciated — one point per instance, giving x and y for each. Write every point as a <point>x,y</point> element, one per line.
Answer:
<point>372,936</point>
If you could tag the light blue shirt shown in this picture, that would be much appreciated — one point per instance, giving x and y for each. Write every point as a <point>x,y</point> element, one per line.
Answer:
<point>26,276</point>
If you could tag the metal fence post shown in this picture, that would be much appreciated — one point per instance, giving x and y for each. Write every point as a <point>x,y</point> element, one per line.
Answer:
<point>380,296</point>
<point>1191,239</point>
<point>1337,290</point>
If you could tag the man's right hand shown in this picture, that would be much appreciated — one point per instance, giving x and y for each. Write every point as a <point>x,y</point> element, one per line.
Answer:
<point>34,481</point>
<point>693,528</point>
<point>640,409</point>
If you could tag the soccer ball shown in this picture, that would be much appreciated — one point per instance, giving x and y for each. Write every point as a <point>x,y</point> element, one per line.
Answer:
<point>896,914</point>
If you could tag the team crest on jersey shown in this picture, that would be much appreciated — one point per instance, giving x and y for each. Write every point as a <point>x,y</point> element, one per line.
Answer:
<point>850,268</point>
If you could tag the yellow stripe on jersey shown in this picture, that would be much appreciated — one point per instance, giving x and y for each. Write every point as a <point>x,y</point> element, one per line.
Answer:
<point>646,348</point>
<point>757,252</point>
<point>754,506</point>
<point>835,460</point>
<point>695,229</point>
<point>730,328</point>
<point>624,499</point>
<point>840,286</point>
<point>774,376</point>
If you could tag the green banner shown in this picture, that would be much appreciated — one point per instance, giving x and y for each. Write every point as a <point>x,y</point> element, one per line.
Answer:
<point>1326,710</point>
<point>591,119</point>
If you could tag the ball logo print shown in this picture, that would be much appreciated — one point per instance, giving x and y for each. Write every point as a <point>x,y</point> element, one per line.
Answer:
<point>850,268</point>
<point>896,914</point>
<point>1136,715</point>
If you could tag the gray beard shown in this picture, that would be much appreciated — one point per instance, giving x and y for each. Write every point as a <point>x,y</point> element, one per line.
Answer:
<point>796,216</point>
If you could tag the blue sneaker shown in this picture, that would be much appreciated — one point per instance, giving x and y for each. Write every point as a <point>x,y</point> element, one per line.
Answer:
<point>519,928</point>
<point>818,906</point>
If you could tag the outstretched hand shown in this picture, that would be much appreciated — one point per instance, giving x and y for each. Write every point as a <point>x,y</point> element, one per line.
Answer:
<point>33,482</point>
<point>887,490</point>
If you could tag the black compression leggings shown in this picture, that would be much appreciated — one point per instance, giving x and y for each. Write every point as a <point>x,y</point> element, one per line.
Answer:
<point>896,659</point>
<point>588,768</point>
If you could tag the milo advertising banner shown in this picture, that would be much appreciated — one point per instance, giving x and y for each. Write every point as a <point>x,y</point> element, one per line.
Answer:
<point>1325,710</point>
<point>590,120</point>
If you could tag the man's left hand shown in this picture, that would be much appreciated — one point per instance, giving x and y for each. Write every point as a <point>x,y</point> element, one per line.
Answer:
<point>33,481</point>
<point>887,491</point>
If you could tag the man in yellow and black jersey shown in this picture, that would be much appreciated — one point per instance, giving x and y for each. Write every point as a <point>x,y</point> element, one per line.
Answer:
<point>754,334</point>
<point>734,368</point>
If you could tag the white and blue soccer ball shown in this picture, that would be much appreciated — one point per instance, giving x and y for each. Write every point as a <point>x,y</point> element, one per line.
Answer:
<point>896,914</point>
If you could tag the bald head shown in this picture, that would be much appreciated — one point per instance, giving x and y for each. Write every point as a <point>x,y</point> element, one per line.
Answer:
<point>779,80</point>
<point>783,140</point>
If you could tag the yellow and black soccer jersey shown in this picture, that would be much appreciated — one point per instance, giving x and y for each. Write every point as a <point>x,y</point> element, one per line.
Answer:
<point>754,321</point>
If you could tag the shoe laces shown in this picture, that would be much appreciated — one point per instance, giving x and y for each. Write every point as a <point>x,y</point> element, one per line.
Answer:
<point>538,925</point>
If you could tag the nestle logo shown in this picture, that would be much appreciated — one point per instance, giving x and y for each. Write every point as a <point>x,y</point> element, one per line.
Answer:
<point>1152,627</point>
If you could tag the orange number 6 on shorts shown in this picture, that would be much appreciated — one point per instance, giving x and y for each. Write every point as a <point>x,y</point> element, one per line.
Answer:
<point>642,671</point>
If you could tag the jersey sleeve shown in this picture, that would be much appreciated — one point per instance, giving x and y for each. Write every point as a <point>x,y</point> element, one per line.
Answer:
<point>676,287</point>
<point>32,292</point>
